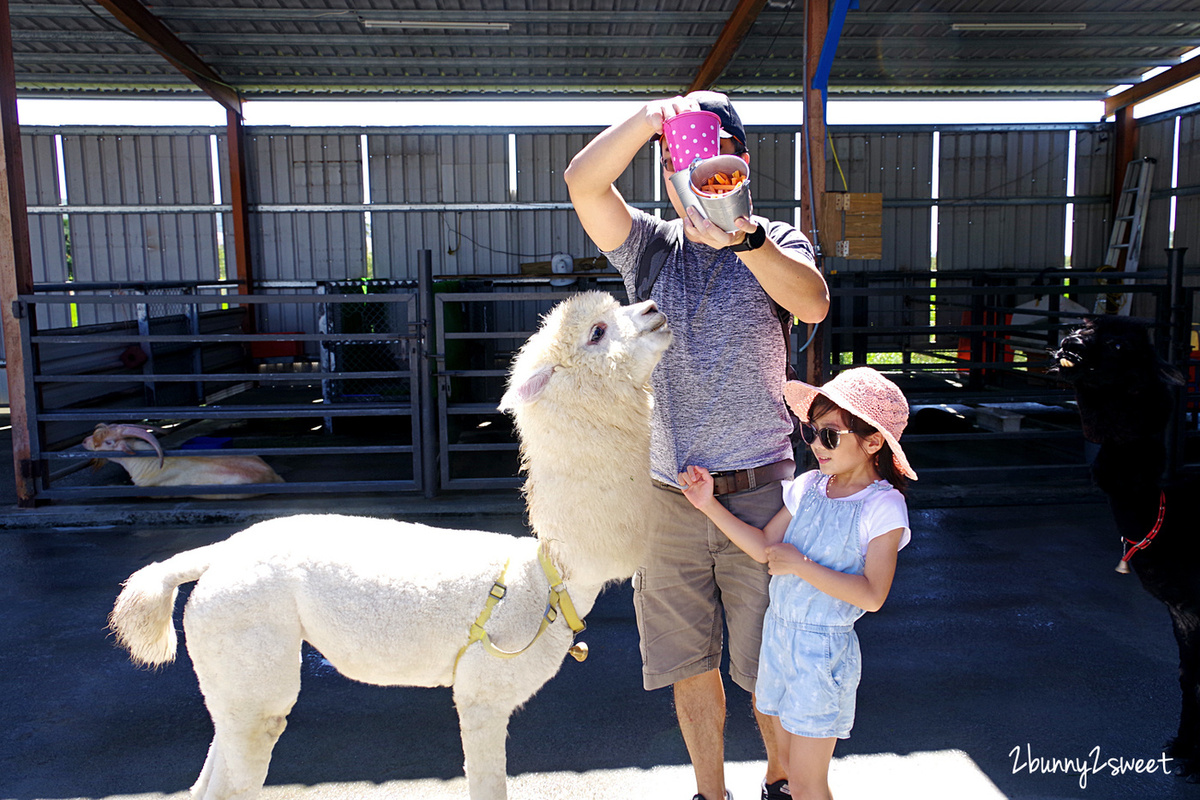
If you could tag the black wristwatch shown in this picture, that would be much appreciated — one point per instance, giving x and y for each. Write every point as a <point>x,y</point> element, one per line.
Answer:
<point>751,241</point>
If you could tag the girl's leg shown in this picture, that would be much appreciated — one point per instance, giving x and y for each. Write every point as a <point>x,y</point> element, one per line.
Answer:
<point>783,744</point>
<point>808,767</point>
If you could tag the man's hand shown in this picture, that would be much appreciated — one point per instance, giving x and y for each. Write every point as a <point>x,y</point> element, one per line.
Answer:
<point>698,228</point>
<point>657,111</point>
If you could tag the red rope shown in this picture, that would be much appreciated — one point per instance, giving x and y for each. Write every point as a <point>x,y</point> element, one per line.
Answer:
<point>1144,543</point>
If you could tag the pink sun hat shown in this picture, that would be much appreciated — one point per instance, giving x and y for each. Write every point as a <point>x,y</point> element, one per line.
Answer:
<point>868,395</point>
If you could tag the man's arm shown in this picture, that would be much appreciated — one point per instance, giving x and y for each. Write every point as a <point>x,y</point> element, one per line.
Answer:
<point>591,174</point>
<point>789,277</point>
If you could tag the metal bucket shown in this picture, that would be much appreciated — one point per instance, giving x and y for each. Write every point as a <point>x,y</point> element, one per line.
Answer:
<point>723,209</point>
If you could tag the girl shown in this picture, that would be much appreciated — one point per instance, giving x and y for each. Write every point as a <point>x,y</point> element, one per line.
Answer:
<point>832,551</point>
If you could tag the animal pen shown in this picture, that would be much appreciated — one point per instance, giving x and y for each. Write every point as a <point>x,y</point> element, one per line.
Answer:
<point>396,272</point>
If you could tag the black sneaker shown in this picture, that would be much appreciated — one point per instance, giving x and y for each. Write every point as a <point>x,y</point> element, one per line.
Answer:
<point>728,796</point>
<point>776,791</point>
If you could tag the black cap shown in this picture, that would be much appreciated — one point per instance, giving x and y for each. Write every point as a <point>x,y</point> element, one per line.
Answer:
<point>717,103</point>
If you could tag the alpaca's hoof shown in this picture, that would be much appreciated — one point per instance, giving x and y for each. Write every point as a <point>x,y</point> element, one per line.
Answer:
<point>1185,755</point>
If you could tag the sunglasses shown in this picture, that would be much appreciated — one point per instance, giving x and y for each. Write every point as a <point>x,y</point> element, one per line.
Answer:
<point>830,437</point>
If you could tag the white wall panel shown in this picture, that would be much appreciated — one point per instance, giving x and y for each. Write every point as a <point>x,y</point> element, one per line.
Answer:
<point>47,239</point>
<point>1002,165</point>
<point>139,169</point>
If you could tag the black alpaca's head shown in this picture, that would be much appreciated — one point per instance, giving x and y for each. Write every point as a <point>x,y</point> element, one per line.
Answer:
<point>1121,384</point>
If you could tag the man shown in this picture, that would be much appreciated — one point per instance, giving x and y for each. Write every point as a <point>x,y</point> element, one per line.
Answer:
<point>718,404</point>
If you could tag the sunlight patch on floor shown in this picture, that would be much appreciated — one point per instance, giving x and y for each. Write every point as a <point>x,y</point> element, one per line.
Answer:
<point>940,775</point>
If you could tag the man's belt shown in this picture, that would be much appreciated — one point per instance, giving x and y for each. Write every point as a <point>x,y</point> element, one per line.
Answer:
<point>741,480</point>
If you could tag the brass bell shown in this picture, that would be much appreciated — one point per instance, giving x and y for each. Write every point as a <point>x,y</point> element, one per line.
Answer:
<point>1123,567</point>
<point>579,651</point>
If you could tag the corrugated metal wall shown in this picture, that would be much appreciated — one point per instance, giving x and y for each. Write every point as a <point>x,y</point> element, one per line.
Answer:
<point>430,169</point>
<point>47,244</point>
<point>1187,213</point>
<point>900,167</point>
<point>1001,197</point>
<point>135,169</point>
<point>1093,179</point>
<point>979,169</point>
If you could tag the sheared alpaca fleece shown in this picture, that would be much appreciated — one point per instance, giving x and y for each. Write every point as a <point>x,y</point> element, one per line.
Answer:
<point>391,603</point>
<point>1125,396</point>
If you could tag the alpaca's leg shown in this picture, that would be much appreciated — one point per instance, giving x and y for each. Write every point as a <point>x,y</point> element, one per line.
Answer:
<point>1185,747</point>
<point>237,762</point>
<point>200,787</point>
<point>250,677</point>
<point>484,728</point>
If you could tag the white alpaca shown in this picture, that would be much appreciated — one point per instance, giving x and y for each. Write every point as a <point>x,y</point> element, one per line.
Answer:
<point>392,603</point>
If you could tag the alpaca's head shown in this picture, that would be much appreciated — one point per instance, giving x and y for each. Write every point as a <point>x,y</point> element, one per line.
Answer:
<point>1121,383</point>
<point>1109,350</point>
<point>589,353</point>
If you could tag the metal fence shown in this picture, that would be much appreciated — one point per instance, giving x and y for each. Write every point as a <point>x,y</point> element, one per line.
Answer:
<point>347,421</point>
<point>398,388</point>
<point>972,351</point>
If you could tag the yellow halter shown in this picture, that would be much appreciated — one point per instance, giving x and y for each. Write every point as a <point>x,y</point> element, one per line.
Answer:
<point>559,598</point>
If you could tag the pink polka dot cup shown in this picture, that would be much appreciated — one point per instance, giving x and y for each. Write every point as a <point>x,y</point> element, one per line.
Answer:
<point>692,135</point>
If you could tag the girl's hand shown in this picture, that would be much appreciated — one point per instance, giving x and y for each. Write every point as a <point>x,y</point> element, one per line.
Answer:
<point>697,486</point>
<point>785,559</point>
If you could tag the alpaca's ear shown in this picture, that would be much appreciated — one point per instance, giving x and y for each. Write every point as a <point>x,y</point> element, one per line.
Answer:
<point>1171,376</point>
<point>528,390</point>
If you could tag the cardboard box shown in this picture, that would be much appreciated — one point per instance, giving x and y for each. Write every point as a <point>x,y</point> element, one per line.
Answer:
<point>867,248</point>
<point>852,225</point>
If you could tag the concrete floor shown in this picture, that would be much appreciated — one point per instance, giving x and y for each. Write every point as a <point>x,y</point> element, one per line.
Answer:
<point>1007,635</point>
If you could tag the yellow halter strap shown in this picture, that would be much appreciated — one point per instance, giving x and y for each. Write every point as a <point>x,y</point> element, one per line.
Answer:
<point>558,599</point>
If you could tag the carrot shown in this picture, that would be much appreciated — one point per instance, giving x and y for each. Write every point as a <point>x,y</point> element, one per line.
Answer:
<point>721,183</point>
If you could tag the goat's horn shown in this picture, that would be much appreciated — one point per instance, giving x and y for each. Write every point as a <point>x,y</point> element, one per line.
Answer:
<point>140,433</point>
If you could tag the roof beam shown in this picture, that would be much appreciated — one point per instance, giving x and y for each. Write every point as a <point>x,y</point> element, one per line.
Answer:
<point>150,29</point>
<point>727,44</point>
<point>645,17</point>
<point>876,42</point>
<point>1162,82</point>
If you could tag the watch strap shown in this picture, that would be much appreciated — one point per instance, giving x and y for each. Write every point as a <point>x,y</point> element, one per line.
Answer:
<point>751,241</point>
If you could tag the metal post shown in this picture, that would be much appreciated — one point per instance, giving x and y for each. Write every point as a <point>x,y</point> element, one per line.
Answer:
<point>860,319</point>
<point>975,373</point>
<point>16,266</point>
<point>426,397</point>
<point>1178,349</point>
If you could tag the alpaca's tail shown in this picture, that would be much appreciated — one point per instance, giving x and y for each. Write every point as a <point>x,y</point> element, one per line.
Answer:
<point>142,616</point>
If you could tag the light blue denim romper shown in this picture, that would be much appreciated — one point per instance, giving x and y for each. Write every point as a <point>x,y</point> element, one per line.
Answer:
<point>810,665</point>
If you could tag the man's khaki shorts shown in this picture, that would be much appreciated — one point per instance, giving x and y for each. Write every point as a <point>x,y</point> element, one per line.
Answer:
<point>693,573</point>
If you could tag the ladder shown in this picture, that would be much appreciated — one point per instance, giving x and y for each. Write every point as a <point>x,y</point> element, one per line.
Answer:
<point>1126,237</point>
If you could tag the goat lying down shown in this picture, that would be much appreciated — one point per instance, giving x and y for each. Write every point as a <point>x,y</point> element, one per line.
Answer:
<point>399,604</point>
<point>177,470</point>
<point>1124,392</point>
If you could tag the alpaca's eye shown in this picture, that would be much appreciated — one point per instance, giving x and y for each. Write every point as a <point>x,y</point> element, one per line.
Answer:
<point>598,333</point>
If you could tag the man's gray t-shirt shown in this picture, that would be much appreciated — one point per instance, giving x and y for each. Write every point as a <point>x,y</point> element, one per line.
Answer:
<point>718,391</point>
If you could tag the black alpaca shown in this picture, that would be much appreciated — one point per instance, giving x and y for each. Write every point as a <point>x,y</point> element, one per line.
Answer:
<point>1125,395</point>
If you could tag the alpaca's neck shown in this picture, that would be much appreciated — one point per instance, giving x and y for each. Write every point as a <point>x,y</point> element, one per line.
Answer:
<point>587,490</point>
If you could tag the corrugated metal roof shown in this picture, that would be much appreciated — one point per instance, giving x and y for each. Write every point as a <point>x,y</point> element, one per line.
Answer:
<point>602,47</point>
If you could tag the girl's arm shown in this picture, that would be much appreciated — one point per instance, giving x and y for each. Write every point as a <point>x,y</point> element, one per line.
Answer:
<point>867,591</point>
<point>697,486</point>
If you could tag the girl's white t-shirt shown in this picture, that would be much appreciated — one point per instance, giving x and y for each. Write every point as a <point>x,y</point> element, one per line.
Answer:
<point>882,511</point>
